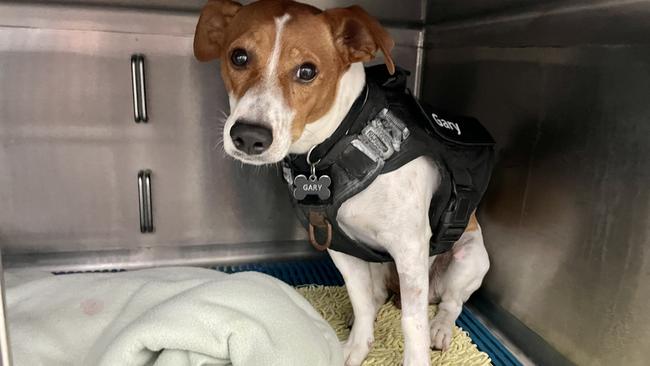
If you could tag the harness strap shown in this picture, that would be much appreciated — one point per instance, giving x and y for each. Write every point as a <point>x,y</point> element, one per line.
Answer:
<point>454,219</point>
<point>323,149</point>
<point>385,129</point>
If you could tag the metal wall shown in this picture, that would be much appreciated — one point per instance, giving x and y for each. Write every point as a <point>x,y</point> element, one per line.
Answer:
<point>563,86</point>
<point>70,150</point>
<point>567,216</point>
<point>408,12</point>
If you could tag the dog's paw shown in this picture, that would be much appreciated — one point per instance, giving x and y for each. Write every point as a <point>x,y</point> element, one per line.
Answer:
<point>441,333</point>
<point>354,353</point>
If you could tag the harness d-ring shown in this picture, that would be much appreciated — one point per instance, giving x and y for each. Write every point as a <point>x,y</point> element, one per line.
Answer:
<point>309,156</point>
<point>312,238</point>
<point>312,165</point>
<point>318,219</point>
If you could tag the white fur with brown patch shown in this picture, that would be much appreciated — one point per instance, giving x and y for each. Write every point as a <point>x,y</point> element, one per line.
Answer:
<point>397,223</point>
<point>349,88</point>
<point>391,214</point>
<point>264,103</point>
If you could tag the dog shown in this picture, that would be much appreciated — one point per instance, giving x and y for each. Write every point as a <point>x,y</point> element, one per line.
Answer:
<point>292,73</point>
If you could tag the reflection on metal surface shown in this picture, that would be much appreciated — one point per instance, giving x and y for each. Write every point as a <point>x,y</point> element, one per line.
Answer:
<point>566,218</point>
<point>135,87</point>
<point>529,23</point>
<point>142,90</point>
<point>5,350</point>
<point>412,11</point>
<point>148,201</point>
<point>158,255</point>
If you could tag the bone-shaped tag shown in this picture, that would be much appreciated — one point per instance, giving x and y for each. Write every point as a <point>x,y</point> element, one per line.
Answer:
<point>312,186</point>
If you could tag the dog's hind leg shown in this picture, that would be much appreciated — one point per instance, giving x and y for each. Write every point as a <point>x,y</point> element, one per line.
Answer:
<point>463,276</point>
<point>381,274</point>
<point>359,283</point>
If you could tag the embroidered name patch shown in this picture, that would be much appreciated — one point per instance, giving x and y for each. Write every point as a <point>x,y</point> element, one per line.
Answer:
<point>446,124</point>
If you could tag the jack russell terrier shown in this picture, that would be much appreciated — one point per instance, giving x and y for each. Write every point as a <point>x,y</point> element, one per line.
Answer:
<point>382,196</point>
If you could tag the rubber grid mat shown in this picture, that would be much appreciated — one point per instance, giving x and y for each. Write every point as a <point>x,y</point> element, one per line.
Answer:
<point>323,272</point>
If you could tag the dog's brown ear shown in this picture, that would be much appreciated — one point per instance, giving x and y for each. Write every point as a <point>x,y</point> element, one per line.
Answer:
<point>358,36</point>
<point>210,33</point>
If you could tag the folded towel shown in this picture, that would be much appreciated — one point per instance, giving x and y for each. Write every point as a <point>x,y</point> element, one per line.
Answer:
<point>162,317</point>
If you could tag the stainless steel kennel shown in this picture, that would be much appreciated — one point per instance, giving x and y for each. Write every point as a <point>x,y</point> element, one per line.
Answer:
<point>109,155</point>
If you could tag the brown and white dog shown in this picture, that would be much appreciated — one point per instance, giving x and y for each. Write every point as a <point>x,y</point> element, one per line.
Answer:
<point>292,73</point>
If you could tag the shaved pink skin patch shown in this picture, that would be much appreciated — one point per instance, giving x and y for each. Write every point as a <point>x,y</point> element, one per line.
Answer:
<point>91,307</point>
<point>459,254</point>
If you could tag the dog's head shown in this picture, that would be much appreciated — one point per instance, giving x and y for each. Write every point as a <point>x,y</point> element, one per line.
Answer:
<point>281,63</point>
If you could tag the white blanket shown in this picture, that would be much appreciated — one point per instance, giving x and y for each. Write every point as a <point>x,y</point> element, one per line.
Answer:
<point>165,317</point>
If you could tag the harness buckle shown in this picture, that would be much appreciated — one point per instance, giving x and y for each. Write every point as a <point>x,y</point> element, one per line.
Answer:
<point>455,218</point>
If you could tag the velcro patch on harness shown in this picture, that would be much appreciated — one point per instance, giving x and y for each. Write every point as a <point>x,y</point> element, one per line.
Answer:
<point>456,129</point>
<point>382,136</point>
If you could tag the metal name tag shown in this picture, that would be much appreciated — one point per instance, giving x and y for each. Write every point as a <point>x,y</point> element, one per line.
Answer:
<point>312,186</point>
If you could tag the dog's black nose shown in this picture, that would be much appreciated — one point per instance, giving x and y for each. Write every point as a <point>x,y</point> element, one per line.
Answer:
<point>249,138</point>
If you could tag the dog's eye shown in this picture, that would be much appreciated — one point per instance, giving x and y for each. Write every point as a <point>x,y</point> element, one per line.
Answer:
<point>307,72</point>
<point>239,57</point>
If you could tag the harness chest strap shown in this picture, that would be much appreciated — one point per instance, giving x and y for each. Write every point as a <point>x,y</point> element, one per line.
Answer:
<point>373,140</point>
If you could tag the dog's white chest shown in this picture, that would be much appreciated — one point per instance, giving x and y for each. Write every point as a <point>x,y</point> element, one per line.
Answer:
<point>393,207</point>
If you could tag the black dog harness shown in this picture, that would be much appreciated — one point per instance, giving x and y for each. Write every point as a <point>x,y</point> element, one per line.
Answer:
<point>385,129</point>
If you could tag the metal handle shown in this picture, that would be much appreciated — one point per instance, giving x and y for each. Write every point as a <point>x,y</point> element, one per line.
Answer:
<point>148,200</point>
<point>144,117</point>
<point>145,202</point>
<point>139,86</point>
<point>141,202</point>
<point>135,88</point>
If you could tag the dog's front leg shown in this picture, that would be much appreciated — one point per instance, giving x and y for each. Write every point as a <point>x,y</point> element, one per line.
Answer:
<point>413,272</point>
<point>358,281</point>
